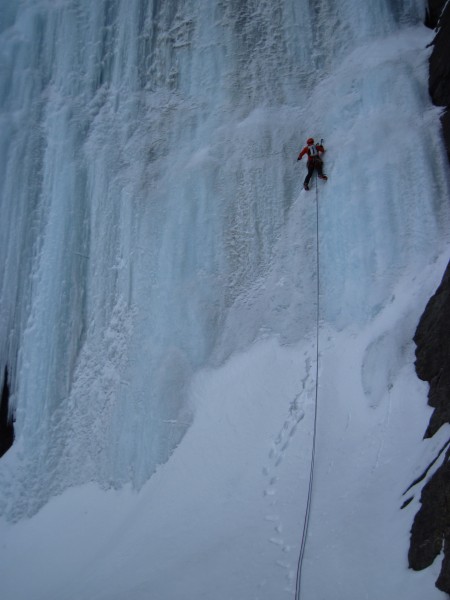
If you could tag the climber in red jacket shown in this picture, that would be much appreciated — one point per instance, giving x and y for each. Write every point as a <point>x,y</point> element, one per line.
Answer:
<point>314,160</point>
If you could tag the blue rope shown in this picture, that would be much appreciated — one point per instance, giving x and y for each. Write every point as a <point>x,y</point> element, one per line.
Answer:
<point>313,450</point>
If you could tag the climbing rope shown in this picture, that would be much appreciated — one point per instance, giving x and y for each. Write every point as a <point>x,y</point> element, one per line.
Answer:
<point>313,449</point>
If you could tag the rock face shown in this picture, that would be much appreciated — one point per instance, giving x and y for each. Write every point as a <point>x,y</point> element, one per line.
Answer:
<point>439,78</point>
<point>434,11</point>
<point>6,425</point>
<point>433,354</point>
<point>430,532</point>
<point>431,528</point>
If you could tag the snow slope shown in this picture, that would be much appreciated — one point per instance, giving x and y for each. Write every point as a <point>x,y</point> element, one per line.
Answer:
<point>223,518</point>
<point>159,297</point>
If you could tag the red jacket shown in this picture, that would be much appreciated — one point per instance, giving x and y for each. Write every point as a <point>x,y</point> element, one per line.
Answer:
<point>306,150</point>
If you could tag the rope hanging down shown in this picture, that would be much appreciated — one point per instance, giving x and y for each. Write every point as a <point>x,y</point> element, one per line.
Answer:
<point>313,450</point>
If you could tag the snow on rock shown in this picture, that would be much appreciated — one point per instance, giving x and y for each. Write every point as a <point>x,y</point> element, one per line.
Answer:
<point>429,532</point>
<point>439,80</point>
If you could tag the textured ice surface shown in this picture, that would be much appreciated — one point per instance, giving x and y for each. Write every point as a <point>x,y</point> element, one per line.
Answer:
<point>151,216</point>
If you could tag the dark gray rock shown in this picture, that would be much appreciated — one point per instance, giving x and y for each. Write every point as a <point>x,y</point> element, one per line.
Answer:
<point>430,532</point>
<point>431,527</point>
<point>439,76</point>
<point>432,340</point>
<point>434,10</point>
<point>6,424</point>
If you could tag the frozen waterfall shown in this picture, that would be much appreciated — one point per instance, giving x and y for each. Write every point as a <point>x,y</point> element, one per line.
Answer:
<point>147,173</point>
<point>153,223</point>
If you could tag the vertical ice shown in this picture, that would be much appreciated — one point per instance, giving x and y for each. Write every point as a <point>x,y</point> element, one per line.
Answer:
<point>147,178</point>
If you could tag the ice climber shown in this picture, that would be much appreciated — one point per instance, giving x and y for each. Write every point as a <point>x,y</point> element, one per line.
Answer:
<point>314,160</point>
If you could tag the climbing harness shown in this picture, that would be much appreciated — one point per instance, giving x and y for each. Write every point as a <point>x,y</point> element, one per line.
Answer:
<point>313,449</point>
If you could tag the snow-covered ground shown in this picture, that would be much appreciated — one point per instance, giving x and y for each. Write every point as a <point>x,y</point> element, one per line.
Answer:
<point>160,267</point>
<point>224,517</point>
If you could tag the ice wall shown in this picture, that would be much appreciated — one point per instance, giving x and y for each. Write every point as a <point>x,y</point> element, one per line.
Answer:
<point>147,176</point>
